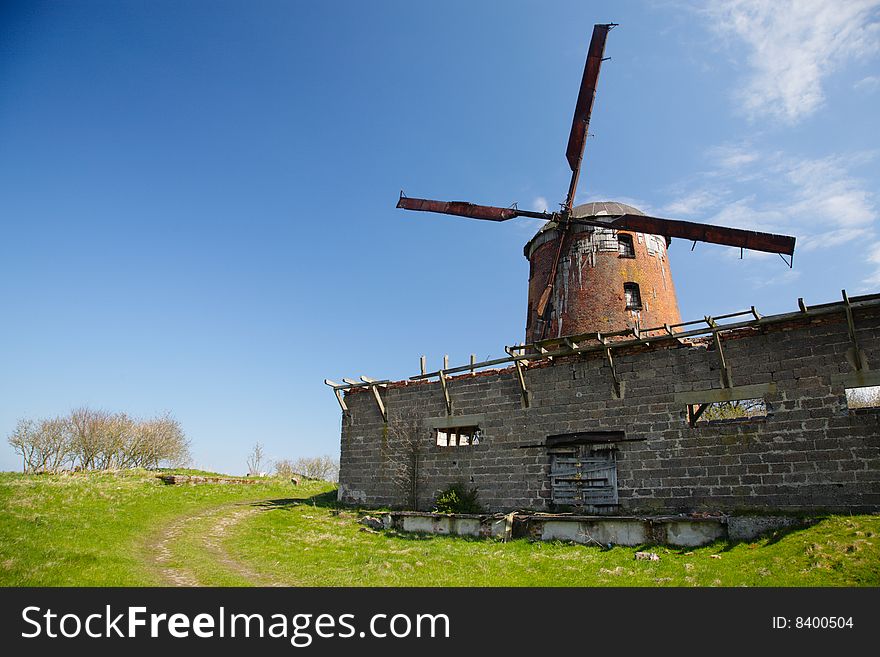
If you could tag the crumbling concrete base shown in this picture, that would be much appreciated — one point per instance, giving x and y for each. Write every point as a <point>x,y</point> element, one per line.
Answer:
<point>678,531</point>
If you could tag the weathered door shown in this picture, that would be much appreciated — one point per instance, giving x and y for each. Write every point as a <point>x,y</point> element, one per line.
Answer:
<point>583,477</point>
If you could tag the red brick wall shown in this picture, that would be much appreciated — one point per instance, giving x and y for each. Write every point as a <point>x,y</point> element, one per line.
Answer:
<point>589,294</point>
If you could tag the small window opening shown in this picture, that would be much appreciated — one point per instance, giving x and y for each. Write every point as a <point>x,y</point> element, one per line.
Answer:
<point>625,246</point>
<point>728,411</point>
<point>863,397</point>
<point>632,296</point>
<point>459,436</point>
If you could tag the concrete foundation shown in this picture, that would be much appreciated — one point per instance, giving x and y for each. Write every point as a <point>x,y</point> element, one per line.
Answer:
<point>678,531</point>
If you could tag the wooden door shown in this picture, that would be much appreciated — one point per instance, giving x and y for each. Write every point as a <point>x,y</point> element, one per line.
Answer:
<point>584,478</point>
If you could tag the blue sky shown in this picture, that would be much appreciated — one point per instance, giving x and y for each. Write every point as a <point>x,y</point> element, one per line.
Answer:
<point>197,198</point>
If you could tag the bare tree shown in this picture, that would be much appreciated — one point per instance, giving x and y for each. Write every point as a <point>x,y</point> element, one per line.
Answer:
<point>255,460</point>
<point>98,440</point>
<point>114,432</point>
<point>85,427</point>
<point>284,468</point>
<point>56,443</point>
<point>325,468</point>
<point>23,442</point>
<point>155,441</point>
<point>406,443</point>
<point>45,446</point>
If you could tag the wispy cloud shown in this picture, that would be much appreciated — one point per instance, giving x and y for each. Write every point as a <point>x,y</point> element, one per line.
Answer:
<point>792,46</point>
<point>540,204</point>
<point>819,200</point>
<point>828,194</point>
<point>691,203</point>
<point>784,277</point>
<point>746,213</point>
<point>868,85</point>
<point>728,157</point>
<point>874,259</point>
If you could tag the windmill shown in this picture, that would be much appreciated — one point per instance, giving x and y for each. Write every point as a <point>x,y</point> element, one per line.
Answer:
<point>624,219</point>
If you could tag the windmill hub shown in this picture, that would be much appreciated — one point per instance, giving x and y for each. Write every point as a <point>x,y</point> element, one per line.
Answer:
<point>606,279</point>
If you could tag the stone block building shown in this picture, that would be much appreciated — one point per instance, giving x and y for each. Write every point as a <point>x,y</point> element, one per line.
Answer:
<point>617,425</point>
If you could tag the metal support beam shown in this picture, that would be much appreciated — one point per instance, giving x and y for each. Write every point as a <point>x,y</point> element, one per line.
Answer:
<point>522,383</point>
<point>517,357</point>
<point>694,412</point>
<point>854,354</point>
<point>586,343</point>
<point>617,384</point>
<point>378,397</point>
<point>338,394</point>
<point>374,388</point>
<point>726,377</point>
<point>443,385</point>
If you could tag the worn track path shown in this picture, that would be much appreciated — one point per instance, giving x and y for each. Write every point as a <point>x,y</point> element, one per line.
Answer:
<point>205,531</point>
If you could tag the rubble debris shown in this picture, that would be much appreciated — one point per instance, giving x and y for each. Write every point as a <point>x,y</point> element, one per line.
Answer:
<point>372,522</point>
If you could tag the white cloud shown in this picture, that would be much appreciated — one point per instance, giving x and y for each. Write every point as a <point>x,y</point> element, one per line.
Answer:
<point>540,204</point>
<point>792,45</point>
<point>744,213</point>
<point>873,280</point>
<point>818,200</point>
<point>728,156</point>
<point>692,203</point>
<point>868,84</point>
<point>802,195</point>
<point>785,277</point>
<point>831,238</point>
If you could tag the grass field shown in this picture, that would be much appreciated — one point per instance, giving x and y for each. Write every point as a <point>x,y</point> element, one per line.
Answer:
<point>129,529</point>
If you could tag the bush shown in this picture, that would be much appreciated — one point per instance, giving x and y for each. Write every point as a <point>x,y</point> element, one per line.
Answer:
<point>457,498</point>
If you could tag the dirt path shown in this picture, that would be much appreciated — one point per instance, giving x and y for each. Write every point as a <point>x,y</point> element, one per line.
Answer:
<point>217,522</point>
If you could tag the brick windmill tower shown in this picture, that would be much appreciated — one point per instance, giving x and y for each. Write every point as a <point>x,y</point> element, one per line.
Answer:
<point>607,280</point>
<point>600,267</point>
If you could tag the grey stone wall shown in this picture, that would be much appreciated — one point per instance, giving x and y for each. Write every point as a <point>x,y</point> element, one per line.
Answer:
<point>811,453</point>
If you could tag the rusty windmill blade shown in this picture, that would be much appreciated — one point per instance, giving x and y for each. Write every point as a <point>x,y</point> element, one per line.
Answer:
<point>465,209</point>
<point>574,152</point>
<point>551,279</point>
<point>580,123</point>
<point>698,232</point>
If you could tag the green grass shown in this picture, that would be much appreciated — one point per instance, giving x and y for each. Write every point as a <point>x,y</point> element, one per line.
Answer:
<point>103,530</point>
<point>317,546</point>
<point>89,529</point>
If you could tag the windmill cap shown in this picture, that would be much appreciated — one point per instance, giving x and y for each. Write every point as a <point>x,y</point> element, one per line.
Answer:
<point>594,209</point>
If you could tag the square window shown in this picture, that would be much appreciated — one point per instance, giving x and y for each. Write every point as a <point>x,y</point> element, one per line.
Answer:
<point>459,436</point>
<point>625,246</point>
<point>863,397</point>
<point>632,296</point>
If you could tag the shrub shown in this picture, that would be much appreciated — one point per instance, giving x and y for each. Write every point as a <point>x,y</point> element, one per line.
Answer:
<point>457,498</point>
